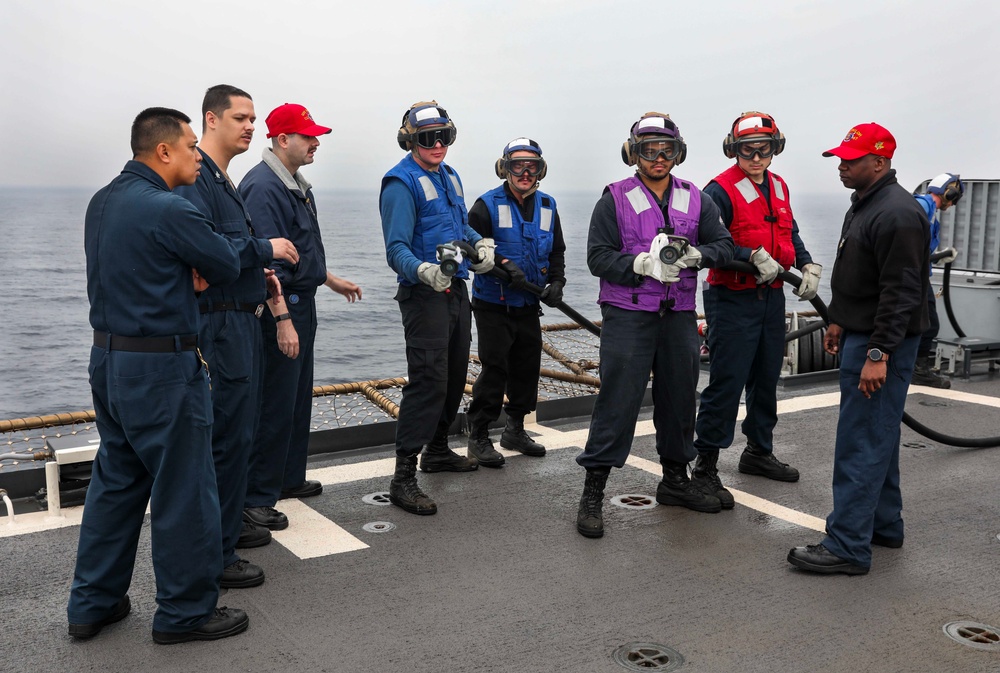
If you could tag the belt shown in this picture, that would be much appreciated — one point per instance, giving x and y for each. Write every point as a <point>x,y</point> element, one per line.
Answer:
<point>256,309</point>
<point>167,344</point>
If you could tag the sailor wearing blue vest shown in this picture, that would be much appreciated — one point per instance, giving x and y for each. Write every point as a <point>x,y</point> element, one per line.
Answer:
<point>746,312</point>
<point>525,225</point>
<point>422,206</point>
<point>281,202</point>
<point>145,248</point>
<point>230,332</point>
<point>943,192</point>
<point>648,308</point>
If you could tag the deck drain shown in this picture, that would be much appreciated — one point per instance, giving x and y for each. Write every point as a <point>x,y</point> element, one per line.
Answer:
<point>974,634</point>
<point>647,657</point>
<point>377,498</point>
<point>633,501</point>
<point>379,527</point>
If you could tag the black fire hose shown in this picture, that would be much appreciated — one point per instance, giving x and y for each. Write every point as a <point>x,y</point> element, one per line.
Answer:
<point>909,421</point>
<point>502,274</point>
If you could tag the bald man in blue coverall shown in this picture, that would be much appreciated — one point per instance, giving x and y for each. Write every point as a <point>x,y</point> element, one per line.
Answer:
<point>151,394</point>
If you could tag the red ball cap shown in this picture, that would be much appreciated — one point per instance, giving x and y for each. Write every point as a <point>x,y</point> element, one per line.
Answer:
<point>292,118</point>
<point>864,139</point>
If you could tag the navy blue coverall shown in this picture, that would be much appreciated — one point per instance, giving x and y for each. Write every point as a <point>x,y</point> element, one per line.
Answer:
<point>152,401</point>
<point>230,342</point>
<point>281,447</point>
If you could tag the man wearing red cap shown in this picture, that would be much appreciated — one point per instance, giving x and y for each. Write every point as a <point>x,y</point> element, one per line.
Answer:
<point>281,203</point>
<point>877,314</point>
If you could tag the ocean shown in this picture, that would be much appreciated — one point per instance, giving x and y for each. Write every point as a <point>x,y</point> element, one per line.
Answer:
<point>46,340</point>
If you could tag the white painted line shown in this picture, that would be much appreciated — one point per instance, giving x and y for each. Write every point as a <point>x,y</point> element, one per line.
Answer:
<point>957,396</point>
<point>310,534</point>
<point>747,500</point>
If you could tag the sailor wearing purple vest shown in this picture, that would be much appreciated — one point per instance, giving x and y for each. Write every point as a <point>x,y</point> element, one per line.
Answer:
<point>649,321</point>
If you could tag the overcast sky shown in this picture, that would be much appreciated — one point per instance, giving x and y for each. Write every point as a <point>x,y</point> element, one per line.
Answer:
<point>572,74</point>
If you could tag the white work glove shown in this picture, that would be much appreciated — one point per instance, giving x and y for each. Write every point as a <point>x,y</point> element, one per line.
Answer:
<point>691,258</point>
<point>647,265</point>
<point>767,268</point>
<point>950,257</point>
<point>485,249</point>
<point>810,282</point>
<point>431,274</point>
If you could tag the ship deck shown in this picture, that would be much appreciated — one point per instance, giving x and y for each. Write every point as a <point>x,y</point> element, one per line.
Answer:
<point>499,580</point>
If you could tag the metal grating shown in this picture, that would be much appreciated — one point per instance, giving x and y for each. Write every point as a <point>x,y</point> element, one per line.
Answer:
<point>974,634</point>
<point>647,657</point>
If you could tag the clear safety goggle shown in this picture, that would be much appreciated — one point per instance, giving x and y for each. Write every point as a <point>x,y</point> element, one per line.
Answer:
<point>748,148</point>
<point>518,167</point>
<point>442,134</point>
<point>652,149</point>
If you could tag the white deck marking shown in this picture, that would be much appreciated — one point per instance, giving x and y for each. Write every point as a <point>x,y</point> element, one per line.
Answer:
<point>311,534</point>
<point>747,500</point>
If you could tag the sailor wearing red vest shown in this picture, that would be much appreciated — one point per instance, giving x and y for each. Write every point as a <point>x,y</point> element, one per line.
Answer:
<point>746,313</point>
<point>647,301</point>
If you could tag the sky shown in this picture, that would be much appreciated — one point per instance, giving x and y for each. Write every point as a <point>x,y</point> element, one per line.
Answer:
<point>571,74</point>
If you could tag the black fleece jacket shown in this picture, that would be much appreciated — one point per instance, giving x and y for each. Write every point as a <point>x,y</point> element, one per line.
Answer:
<point>879,280</point>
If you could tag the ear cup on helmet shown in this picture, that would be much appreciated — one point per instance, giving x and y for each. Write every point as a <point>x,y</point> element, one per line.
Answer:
<point>684,152</point>
<point>501,169</point>
<point>545,169</point>
<point>952,193</point>
<point>781,144</point>
<point>627,156</point>
<point>729,146</point>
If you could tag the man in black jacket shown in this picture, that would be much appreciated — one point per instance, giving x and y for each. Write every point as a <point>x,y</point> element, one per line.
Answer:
<point>877,314</point>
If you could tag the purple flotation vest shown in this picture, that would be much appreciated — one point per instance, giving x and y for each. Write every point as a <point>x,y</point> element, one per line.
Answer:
<point>639,221</point>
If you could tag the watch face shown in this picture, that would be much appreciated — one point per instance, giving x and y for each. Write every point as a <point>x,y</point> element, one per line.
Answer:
<point>875,355</point>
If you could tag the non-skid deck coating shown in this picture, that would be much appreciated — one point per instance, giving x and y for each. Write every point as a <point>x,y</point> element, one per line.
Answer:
<point>499,580</point>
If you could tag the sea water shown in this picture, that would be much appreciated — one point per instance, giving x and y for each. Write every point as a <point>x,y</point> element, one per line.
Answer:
<point>46,339</point>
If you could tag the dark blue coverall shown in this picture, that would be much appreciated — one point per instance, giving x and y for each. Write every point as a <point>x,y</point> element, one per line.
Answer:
<point>230,342</point>
<point>152,400</point>
<point>281,447</point>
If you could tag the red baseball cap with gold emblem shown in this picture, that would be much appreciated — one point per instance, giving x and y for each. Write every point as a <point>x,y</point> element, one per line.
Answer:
<point>861,140</point>
<point>292,118</point>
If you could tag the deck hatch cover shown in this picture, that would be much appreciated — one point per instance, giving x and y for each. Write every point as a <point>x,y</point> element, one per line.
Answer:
<point>633,501</point>
<point>647,657</point>
<point>974,634</point>
<point>377,498</point>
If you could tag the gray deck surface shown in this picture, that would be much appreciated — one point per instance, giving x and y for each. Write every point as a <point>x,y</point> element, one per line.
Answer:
<point>499,580</point>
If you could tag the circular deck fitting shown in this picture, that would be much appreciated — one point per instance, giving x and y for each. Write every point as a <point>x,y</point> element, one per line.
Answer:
<point>377,498</point>
<point>379,527</point>
<point>974,634</point>
<point>917,445</point>
<point>633,501</point>
<point>647,657</point>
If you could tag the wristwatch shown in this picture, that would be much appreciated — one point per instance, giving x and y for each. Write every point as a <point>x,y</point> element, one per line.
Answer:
<point>876,355</point>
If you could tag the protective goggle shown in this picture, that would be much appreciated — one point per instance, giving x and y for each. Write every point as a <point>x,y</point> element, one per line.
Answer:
<point>651,150</point>
<point>746,149</point>
<point>442,134</point>
<point>518,167</point>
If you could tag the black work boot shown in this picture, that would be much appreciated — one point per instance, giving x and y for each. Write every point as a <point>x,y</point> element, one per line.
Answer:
<point>516,439</point>
<point>677,489</point>
<point>756,461</point>
<point>589,519</point>
<point>705,476</point>
<point>924,375</point>
<point>403,489</point>
<point>481,448</point>
<point>438,457</point>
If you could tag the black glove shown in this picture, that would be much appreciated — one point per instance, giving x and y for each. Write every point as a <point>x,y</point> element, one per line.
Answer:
<point>553,294</point>
<point>517,277</point>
